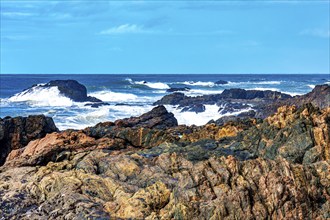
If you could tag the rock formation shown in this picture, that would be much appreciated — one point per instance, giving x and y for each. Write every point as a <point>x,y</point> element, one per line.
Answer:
<point>148,167</point>
<point>178,89</point>
<point>73,90</point>
<point>17,132</point>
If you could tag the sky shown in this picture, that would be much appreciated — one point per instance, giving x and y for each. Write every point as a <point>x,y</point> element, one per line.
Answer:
<point>87,37</point>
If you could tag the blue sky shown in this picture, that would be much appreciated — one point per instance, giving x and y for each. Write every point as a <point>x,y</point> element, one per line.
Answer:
<point>165,36</point>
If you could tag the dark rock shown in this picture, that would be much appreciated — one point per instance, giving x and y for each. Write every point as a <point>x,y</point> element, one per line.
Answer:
<point>230,107</point>
<point>73,90</point>
<point>253,94</point>
<point>221,82</point>
<point>15,133</point>
<point>243,117</point>
<point>172,99</point>
<point>69,88</point>
<point>96,105</point>
<point>158,118</point>
<point>318,97</point>
<point>178,89</point>
<point>194,108</point>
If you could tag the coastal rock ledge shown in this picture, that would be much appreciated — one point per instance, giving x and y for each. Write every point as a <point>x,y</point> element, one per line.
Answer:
<point>149,167</point>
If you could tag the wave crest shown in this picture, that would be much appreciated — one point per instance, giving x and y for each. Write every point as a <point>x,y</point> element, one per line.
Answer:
<point>152,85</point>
<point>42,96</point>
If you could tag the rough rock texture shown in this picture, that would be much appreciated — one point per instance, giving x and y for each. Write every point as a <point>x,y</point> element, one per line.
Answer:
<point>139,168</point>
<point>157,118</point>
<point>227,94</point>
<point>17,132</point>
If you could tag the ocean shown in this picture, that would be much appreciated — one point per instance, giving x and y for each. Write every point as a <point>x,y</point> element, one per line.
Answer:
<point>133,95</point>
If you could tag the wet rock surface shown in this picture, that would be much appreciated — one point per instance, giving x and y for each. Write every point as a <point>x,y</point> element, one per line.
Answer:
<point>148,167</point>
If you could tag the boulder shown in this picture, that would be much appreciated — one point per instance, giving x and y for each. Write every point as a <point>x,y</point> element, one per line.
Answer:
<point>73,90</point>
<point>15,133</point>
<point>158,118</point>
<point>172,99</point>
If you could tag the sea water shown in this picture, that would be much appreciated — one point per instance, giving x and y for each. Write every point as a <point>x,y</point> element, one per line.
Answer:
<point>133,95</point>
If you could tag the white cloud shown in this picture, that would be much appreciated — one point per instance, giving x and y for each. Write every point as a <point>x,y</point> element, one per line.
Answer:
<point>16,14</point>
<point>125,29</point>
<point>316,32</point>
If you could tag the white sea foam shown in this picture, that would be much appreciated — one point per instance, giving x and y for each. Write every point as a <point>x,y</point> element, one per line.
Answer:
<point>109,96</point>
<point>153,85</point>
<point>40,96</point>
<point>311,86</point>
<point>266,83</point>
<point>199,92</point>
<point>192,118</point>
<point>264,88</point>
<point>198,83</point>
<point>82,120</point>
<point>90,116</point>
<point>253,83</point>
<point>293,93</point>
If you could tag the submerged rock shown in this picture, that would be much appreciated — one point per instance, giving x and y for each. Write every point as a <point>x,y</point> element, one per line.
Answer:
<point>221,82</point>
<point>178,89</point>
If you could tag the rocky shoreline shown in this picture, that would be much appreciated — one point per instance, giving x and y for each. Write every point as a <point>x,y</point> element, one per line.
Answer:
<point>270,163</point>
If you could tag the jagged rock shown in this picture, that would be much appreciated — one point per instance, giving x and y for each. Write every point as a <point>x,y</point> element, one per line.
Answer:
<point>172,99</point>
<point>194,108</point>
<point>244,117</point>
<point>253,94</point>
<point>139,168</point>
<point>17,132</point>
<point>97,184</point>
<point>230,107</point>
<point>158,118</point>
<point>290,134</point>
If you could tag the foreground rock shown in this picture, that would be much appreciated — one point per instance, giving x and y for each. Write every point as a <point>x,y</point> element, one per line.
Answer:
<point>147,167</point>
<point>17,132</point>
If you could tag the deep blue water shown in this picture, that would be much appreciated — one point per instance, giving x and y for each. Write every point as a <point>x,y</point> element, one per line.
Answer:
<point>138,91</point>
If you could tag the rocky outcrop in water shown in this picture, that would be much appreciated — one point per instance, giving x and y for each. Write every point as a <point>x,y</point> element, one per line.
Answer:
<point>147,167</point>
<point>17,132</point>
<point>178,89</point>
<point>264,103</point>
<point>73,90</point>
<point>221,82</point>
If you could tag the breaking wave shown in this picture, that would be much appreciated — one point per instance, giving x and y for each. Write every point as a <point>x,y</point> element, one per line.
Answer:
<point>42,96</point>
<point>152,85</point>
